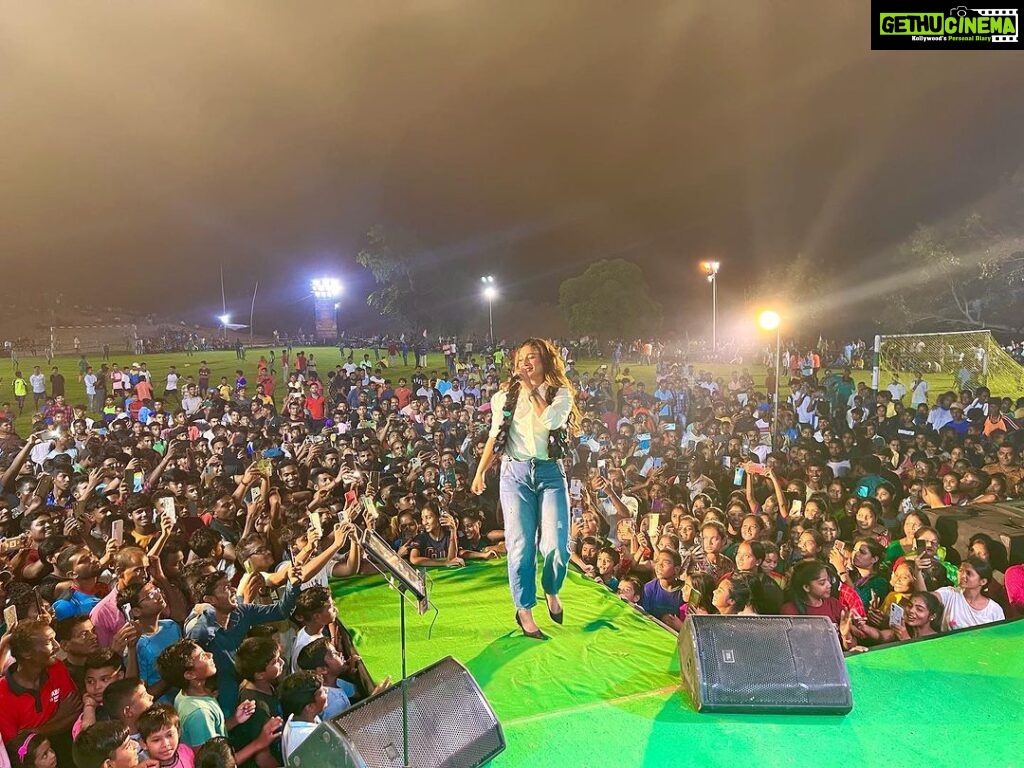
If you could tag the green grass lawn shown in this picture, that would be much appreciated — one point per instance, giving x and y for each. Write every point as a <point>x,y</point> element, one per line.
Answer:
<point>224,363</point>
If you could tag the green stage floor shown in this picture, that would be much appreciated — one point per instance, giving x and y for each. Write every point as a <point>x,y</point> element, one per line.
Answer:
<point>604,690</point>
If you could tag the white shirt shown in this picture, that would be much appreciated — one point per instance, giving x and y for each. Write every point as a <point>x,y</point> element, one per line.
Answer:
<point>302,639</point>
<point>528,435</point>
<point>958,612</point>
<point>939,417</point>
<point>172,382</point>
<point>38,382</point>
<point>90,383</point>
<point>840,468</point>
<point>295,732</point>
<point>975,404</point>
<point>919,392</point>
<point>897,390</point>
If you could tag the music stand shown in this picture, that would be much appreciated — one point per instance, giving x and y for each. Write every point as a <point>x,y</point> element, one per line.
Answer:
<point>403,578</point>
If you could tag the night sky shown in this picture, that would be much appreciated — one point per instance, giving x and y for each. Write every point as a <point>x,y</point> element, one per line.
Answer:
<point>144,143</point>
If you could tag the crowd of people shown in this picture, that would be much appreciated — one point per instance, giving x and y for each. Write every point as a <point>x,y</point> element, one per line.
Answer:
<point>169,541</point>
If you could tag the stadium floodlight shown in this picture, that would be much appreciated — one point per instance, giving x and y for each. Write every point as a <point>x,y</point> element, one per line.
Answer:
<point>224,320</point>
<point>770,320</point>
<point>490,293</point>
<point>326,288</point>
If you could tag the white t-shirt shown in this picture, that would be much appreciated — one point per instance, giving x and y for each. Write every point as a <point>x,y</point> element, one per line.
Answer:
<point>90,383</point>
<point>840,468</point>
<point>302,639</point>
<point>38,382</point>
<point>897,390</point>
<point>919,393</point>
<point>295,732</point>
<point>958,612</point>
<point>172,382</point>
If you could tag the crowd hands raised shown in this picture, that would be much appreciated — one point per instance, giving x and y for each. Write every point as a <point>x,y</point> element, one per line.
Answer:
<point>682,506</point>
<point>166,560</point>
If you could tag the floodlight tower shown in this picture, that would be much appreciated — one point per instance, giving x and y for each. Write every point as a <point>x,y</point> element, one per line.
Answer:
<point>326,291</point>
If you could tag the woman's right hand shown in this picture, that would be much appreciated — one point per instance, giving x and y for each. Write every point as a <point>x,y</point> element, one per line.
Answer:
<point>479,484</point>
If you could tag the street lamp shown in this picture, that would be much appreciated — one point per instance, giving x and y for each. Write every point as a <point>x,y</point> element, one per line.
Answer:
<point>711,270</point>
<point>490,293</point>
<point>771,321</point>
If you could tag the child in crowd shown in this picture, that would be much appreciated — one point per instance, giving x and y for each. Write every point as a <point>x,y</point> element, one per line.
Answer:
<point>607,563</point>
<point>303,698</point>
<point>316,611</point>
<point>147,604</point>
<point>630,590</point>
<point>259,666</point>
<point>106,745</point>
<point>102,668</point>
<point>662,595</point>
<point>321,657</point>
<point>473,545</point>
<point>125,700</point>
<point>188,667</point>
<point>216,753</point>
<point>30,749</point>
<point>160,735</point>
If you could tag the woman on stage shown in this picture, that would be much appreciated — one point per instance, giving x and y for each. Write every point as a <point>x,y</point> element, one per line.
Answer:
<point>532,417</point>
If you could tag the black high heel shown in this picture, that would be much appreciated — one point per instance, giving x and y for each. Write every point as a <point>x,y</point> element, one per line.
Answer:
<point>555,617</point>
<point>538,635</point>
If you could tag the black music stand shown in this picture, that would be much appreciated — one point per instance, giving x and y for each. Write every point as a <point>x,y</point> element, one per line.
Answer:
<point>403,578</point>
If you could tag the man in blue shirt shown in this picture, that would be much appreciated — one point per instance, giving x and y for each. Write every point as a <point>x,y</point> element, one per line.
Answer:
<point>222,626</point>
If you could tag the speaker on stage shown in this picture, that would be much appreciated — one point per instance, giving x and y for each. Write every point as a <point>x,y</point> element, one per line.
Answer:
<point>767,664</point>
<point>450,724</point>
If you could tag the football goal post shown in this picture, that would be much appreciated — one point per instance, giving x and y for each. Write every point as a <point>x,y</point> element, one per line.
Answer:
<point>949,361</point>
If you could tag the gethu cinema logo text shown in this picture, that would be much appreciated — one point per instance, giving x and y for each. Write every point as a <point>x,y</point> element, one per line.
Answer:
<point>940,23</point>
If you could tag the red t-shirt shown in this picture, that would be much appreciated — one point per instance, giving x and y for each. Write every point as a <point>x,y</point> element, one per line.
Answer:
<point>22,708</point>
<point>315,406</point>
<point>404,395</point>
<point>831,608</point>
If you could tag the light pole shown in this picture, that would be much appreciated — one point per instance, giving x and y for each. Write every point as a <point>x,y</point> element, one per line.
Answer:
<point>490,293</point>
<point>771,321</point>
<point>711,270</point>
<point>224,320</point>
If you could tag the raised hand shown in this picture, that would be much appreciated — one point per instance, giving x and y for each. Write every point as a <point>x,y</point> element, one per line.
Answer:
<point>244,711</point>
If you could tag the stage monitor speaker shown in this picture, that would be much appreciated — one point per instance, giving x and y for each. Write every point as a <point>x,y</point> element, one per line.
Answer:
<point>450,725</point>
<point>764,664</point>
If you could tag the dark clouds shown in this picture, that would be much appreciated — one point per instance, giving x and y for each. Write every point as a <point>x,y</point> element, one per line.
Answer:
<point>145,143</point>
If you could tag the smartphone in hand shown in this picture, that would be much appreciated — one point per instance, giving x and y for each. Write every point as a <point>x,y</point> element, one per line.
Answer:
<point>895,615</point>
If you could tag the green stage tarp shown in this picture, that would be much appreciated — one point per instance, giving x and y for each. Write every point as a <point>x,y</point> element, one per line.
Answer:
<point>604,690</point>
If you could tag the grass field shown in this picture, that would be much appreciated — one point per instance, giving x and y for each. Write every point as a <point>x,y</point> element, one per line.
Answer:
<point>224,363</point>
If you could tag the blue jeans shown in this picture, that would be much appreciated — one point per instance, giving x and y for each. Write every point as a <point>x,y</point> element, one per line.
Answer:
<point>535,497</point>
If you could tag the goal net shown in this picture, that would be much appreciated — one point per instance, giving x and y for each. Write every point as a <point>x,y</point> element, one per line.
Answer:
<point>90,339</point>
<point>949,361</point>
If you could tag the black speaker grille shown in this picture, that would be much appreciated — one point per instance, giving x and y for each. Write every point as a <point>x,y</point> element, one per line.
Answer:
<point>753,663</point>
<point>450,722</point>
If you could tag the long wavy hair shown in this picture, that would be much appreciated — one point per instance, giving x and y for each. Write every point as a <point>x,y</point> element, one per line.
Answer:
<point>554,376</point>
